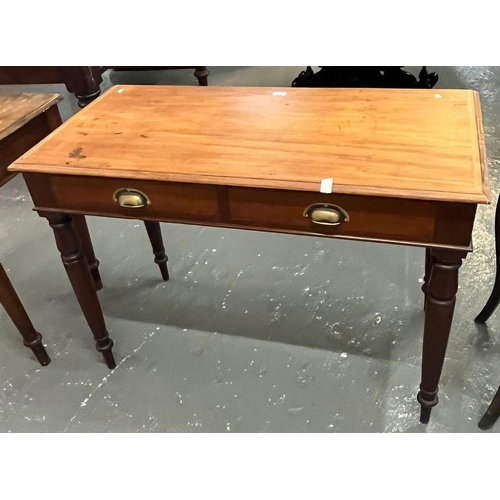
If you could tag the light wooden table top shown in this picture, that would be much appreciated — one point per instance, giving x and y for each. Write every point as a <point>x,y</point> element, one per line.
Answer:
<point>17,110</point>
<point>420,144</point>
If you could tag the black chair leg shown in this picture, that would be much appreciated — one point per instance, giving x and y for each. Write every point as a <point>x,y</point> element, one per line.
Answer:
<point>492,413</point>
<point>494,299</point>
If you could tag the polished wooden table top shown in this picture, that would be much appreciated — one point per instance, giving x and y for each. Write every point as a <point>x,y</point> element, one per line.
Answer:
<point>418,144</point>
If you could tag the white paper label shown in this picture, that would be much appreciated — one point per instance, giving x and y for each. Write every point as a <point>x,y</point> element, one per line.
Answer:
<point>283,94</point>
<point>326,185</point>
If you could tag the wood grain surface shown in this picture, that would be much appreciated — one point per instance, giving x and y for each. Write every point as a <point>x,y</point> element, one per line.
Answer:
<point>17,110</point>
<point>419,144</point>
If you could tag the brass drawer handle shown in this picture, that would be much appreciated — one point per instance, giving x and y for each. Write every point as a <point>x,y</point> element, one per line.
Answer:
<point>131,198</point>
<point>326,214</point>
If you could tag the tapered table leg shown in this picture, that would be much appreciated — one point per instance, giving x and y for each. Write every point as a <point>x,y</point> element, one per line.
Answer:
<point>82,229</point>
<point>77,268</point>
<point>11,303</point>
<point>154,233</point>
<point>441,296</point>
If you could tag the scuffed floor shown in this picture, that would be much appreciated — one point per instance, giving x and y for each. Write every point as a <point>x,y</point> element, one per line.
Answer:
<point>255,332</point>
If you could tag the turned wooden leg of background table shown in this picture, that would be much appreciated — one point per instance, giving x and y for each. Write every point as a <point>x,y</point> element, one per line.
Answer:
<point>82,229</point>
<point>154,233</point>
<point>201,73</point>
<point>83,81</point>
<point>11,303</point>
<point>440,304</point>
<point>77,268</point>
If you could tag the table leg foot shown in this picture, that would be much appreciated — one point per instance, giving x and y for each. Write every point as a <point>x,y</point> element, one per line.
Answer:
<point>425,414</point>
<point>38,350</point>
<point>427,402</point>
<point>440,305</point>
<point>154,233</point>
<point>14,308</point>
<point>82,81</point>
<point>78,271</point>
<point>104,348</point>
<point>83,100</point>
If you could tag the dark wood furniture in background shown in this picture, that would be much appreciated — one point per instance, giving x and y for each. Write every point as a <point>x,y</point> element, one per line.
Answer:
<point>14,308</point>
<point>25,120</point>
<point>385,77</point>
<point>402,167</point>
<point>82,81</point>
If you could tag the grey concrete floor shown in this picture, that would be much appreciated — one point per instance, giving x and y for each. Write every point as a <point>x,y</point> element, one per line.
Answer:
<point>255,332</point>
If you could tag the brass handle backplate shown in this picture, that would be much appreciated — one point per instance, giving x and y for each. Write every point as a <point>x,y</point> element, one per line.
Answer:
<point>326,214</point>
<point>131,198</point>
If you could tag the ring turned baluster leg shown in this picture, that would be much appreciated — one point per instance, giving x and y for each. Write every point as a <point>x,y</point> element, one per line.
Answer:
<point>82,229</point>
<point>14,308</point>
<point>77,268</point>
<point>83,81</point>
<point>441,297</point>
<point>154,233</point>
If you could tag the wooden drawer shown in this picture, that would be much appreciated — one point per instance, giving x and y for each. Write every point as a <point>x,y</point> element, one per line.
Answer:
<point>95,195</point>
<point>370,218</point>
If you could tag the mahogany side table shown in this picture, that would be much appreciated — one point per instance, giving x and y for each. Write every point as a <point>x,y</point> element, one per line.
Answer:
<point>404,167</point>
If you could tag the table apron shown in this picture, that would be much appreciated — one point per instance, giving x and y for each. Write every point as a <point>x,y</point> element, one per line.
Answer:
<point>423,223</point>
